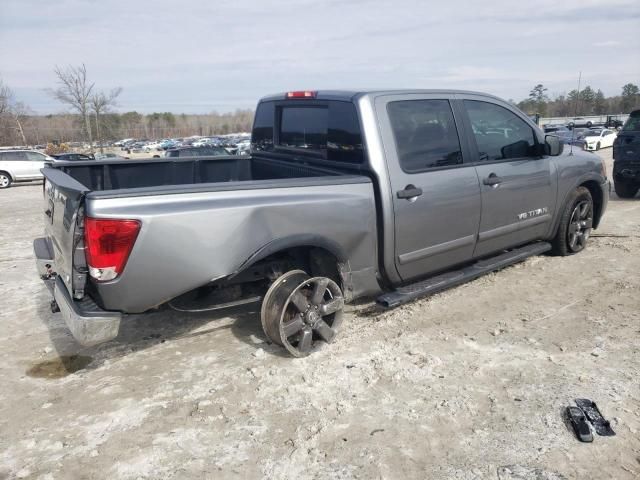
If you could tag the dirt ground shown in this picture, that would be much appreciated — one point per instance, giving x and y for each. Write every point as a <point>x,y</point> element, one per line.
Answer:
<point>467,384</point>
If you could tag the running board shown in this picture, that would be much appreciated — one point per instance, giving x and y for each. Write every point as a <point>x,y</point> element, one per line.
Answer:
<point>451,279</point>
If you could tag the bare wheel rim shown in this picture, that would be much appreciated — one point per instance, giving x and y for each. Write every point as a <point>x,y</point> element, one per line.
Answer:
<point>302,316</point>
<point>4,181</point>
<point>580,225</point>
<point>268,309</point>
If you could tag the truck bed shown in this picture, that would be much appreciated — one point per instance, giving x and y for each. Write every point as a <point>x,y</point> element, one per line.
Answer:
<point>118,174</point>
<point>201,220</point>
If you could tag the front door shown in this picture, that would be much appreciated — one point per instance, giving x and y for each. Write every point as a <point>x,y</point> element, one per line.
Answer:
<point>518,191</point>
<point>436,196</point>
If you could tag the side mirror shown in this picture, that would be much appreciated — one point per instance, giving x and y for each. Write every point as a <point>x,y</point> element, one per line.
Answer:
<point>553,145</point>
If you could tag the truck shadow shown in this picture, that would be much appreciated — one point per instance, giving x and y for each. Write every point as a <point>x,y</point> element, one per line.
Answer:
<point>141,332</point>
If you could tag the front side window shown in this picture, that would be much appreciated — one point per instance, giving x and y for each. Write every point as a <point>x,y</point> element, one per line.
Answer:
<point>500,134</point>
<point>425,134</point>
<point>633,122</point>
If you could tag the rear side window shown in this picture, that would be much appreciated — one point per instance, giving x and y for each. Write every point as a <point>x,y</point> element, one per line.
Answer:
<point>14,156</point>
<point>633,122</point>
<point>425,134</point>
<point>326,129</point>
<point>262,134</point>
<point>500,134</point>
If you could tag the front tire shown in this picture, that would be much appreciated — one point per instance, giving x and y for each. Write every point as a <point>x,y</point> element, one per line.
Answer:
<point>576,223</point>
<point>626,189</point>
<point>5,180</point>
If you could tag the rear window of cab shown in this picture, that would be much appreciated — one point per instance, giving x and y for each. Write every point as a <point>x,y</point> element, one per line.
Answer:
<point>324,129</point>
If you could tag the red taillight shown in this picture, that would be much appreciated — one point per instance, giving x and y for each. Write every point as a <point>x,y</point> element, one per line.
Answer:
<point>302,94</point>
<point>108,243</point>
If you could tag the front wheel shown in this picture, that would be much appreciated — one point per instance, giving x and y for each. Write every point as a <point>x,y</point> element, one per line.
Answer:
<point>575,224</point>
<point>299,313</point>
<point>626,189</point>
<point>5,180</point>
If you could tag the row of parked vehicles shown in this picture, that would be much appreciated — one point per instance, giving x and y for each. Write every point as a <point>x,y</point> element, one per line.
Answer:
<point>592,139</point>
<point>232,144</point>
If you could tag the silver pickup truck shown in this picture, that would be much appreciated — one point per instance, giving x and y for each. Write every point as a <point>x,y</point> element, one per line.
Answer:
<point>386,194</point>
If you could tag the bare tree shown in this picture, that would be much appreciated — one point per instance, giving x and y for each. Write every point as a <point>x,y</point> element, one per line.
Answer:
<point>5,97</point>
<point>101,103</point>
<point>75,90</point>
<point>13,114</point>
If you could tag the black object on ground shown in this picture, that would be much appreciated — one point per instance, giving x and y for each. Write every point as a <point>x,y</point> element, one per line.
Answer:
<point>579,423</point>
<point>600,424</point>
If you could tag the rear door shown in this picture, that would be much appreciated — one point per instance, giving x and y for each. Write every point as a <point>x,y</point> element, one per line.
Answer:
<point>518,184</point>
<point>436,196</point>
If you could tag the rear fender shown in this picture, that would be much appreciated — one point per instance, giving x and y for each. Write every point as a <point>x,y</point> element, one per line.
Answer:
<point>297,241</point>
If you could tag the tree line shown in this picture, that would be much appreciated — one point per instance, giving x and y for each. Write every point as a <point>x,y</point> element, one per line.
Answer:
<point>91,117</point>
<point>587,101</point>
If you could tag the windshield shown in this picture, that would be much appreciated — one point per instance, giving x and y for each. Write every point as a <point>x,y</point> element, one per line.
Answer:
<point>633,122</point>
<point>593,133</point>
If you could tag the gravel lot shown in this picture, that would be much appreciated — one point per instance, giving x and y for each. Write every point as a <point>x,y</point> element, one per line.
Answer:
<point>468,384</point>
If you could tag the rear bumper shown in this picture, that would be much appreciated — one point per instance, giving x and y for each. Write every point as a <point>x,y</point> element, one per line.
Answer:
<point>88,323</point>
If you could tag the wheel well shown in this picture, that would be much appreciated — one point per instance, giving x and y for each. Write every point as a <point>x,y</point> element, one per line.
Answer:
<point>596,195</point>
<point>316,261</point>
<point>7,173</point>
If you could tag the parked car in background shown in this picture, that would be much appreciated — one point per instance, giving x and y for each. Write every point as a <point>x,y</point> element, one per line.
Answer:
<point>598,138</point>
<point>626,158</point>
<point>244,147</point>
<point>108,156</point>
<point>580,122</point>
<point>568,137</point>
<point>71,157</point>
<point>206,151</point>
<point>556,128</point>
<point>613,121</point>
<point>21,166</point>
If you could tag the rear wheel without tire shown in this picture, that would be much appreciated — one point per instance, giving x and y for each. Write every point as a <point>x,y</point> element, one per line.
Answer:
<point>5,180</point>
<point>625,189</point>
<point>300,313</point>
<point>575,224</point>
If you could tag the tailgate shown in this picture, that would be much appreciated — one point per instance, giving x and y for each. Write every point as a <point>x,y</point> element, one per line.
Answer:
<point>63,214</point>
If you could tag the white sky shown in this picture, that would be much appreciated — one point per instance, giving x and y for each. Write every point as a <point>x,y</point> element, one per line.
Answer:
<point>198,56</point>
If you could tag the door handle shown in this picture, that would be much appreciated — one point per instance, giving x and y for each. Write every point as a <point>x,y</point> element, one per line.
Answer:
<point>492,180</point>
<point>409,192</point>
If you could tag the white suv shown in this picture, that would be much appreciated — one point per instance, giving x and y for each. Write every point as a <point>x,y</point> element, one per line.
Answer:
<point>21,166</point>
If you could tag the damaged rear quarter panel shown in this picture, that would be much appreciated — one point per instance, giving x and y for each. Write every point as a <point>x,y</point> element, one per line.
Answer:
<point>189,239</point>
